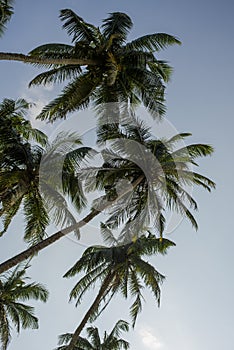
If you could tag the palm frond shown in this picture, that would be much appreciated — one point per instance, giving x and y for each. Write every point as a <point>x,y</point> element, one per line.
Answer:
<point>21,314</point>
<point>37,218</point>
<point>77,27</point>
<point>117,23</point>
<point>56,75</point>
<point>53,50</point>
<point>194,151</point>
<point>82,343</point>
<point>76,95</point>
<point>50,51</point>
<point>135,288</point>
<point>120,326</point>
<point>152,42</point>
<point>58,208</point>
<point>14,289</point>
<point>108,236</point>
<point>6,12</point>
<point>9,212</point>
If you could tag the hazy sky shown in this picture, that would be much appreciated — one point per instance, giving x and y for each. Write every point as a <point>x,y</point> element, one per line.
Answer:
<point>197,310</point>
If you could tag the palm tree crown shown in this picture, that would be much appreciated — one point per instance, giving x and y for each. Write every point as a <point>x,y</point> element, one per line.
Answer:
<point>164,170</point>
<point>122,72</point>
<point>27,175</point>
<point>120,268</point>
<point>14,289</point>
<point>110,341</point>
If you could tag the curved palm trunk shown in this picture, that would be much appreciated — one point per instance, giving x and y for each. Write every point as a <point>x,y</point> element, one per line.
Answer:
<point>31,59</point>
<point>6,265</point>
<point>90,311</point>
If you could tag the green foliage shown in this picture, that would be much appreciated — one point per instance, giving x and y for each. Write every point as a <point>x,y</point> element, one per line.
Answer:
<point>165,170</point>
<point>110,341</point>
<point>129,272</point>
<point>121,72</point>
<point>14,290</point>
<point>27,175</point>
<point>6,11</point>
<point>142,177</point>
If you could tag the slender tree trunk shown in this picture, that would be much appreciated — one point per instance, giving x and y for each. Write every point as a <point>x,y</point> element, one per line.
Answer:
<point>90,311</point>
<point>6,265</point>
<point>33,59</point>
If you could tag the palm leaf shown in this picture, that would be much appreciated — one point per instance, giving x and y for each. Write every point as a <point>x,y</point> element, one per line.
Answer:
<point>6,11</point>
<point>50,51</point>
<point>9,212</point>
<point>152,42</point>
<point>77,27</point>
<point>76,95</point>
<point>117,24</point>
<point>56,75</point>
<point>36,217</point>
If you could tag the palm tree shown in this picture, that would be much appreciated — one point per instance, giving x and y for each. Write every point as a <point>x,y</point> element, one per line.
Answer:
<point>165,170</point>
<point>115,70</point>
<point>164,183</point>
<point>110,341</point>
<point>6,11</point>
<point>14,289</point>
<point>17,161</point>
<point>120,268</point>
<point>26,181</point>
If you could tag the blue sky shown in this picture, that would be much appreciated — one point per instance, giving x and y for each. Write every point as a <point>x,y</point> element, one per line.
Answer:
<point>197,297</point>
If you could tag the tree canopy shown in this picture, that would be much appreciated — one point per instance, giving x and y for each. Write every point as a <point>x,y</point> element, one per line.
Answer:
<point>140,179</point>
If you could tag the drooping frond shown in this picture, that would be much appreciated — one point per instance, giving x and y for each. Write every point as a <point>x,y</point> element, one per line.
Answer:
<point>152,42</point>
<point>150,89</point>
<point>117,24</point>
<point>76,95</point>
<point>58,209</point>
<point>13,123</point>
<point>6,11</point>
<point>78,28</point>
<point>161,68</point>
<point>36,216</point>
<point>7,213</point>
<point>14,289</point>
<point>56,75</point>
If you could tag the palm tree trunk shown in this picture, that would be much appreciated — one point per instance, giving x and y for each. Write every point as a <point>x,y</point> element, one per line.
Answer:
<point>6,265</point>
<point>32,59</point>
<point>90,311</point>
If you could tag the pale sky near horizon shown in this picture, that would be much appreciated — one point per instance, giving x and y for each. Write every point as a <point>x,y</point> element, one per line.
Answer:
<point>197,309</point>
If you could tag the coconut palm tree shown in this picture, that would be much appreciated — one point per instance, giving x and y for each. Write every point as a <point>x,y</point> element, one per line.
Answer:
<point>14,290</point>
<point>165,169</point>
<point>25,178</point>
<point>120,268</point>
<point>6,11</point>
<point>114,70</point>
<point>110,341</point>
<point>17,161</point>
